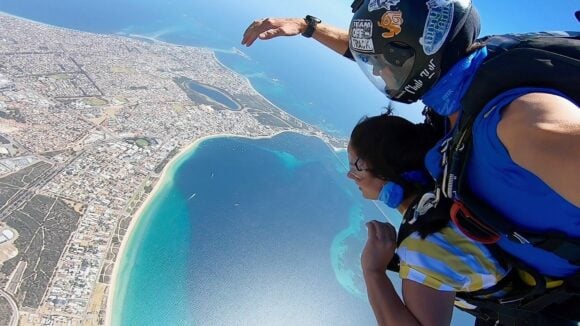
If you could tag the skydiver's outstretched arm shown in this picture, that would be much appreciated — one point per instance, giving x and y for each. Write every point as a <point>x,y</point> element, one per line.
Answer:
<point>332,37</point>
<point>541,132</point>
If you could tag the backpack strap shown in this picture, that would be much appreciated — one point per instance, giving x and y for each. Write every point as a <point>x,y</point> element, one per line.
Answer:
<point>546,60</point>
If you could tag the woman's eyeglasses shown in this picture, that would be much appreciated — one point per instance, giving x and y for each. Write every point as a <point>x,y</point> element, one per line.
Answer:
<point>357,167</point>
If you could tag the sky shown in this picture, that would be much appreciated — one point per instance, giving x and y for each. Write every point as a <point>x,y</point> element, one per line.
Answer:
<point>325,70</point>
<point>497,17</point>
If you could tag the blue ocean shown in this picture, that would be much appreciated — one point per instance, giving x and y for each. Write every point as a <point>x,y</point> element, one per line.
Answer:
<point>245,231</point>
<point>250,232</point>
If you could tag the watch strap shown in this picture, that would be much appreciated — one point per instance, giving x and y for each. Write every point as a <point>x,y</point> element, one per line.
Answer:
<point>311,22</point>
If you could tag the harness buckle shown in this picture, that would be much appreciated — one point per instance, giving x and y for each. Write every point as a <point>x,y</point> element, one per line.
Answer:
<point>427,201</point>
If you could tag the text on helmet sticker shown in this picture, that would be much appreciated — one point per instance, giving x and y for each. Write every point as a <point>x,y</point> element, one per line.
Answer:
<point>361,35</point>
<point>392,21</point>
<point>437,25</point>
<point>382,4</point>
<point>428,72</point>
<point>416,84</point>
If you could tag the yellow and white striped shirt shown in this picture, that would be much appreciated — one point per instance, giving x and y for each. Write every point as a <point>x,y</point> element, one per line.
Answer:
<point>447,260</point>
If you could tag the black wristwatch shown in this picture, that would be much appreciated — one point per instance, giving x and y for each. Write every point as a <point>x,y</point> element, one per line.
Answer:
<point>312,22</point>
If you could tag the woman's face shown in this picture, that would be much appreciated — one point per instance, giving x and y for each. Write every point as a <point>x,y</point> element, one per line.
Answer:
<point>367,183</point>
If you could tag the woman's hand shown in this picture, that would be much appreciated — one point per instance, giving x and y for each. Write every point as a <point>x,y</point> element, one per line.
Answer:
<point>380,247</point>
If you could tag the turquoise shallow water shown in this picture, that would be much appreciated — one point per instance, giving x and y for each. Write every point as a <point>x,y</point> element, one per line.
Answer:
<point>271,236</point>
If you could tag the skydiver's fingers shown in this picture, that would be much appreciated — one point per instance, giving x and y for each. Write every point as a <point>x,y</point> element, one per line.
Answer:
<point>268,28</point>
<point>248,41</point>
<point>251,33</point>
<point>271,34</point>
<point>390,233</point>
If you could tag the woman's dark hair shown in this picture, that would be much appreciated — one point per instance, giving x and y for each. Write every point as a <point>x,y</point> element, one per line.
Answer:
<point>392,145</point>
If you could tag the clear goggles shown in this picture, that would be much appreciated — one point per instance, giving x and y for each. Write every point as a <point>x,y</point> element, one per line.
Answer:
<point>390,75</point>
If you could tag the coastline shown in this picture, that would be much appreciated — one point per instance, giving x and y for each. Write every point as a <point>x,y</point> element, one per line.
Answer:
<point>167,174</point>
<point>137,217</point>
<point>213,52</point>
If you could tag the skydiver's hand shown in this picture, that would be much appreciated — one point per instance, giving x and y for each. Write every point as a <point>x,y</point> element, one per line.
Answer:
<point>380,247</point>
<point>268,28</point>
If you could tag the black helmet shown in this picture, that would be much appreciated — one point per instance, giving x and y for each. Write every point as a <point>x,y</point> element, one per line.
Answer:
<point>417,40</point>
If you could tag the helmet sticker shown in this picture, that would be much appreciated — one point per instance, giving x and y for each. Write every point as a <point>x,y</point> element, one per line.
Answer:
<point>379,4</point>
<point>416,84</point>
<point>361,35</point>
<point>391,20</point>
<point>437,25</point>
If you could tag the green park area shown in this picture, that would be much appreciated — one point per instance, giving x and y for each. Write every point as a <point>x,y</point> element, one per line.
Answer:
<point>94,101</point>
<point>142,142</point>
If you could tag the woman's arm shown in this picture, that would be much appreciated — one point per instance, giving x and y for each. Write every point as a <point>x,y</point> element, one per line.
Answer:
<point>423,305</point>
<point>429,306</point>
<point>387,306</point>
<point>541,133</point>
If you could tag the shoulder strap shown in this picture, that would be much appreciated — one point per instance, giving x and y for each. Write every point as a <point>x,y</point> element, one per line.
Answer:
<point>525,60</point>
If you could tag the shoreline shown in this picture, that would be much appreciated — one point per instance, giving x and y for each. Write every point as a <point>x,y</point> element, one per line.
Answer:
<point>186,151</point>
<point>213,51</point>
<point>258,93</point>
<point>137,217</point>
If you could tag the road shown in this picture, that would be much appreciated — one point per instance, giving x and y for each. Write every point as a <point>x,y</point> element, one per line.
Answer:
<point>15,316</point>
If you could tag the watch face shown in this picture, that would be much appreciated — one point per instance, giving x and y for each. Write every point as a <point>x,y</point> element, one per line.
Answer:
<point>312,22</point>
<point>310,18</point>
